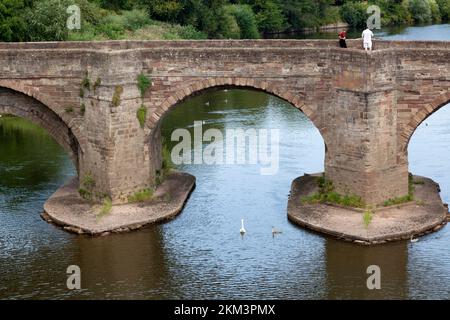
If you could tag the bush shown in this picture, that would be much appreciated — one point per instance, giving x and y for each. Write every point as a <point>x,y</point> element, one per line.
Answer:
<point>355,14</point>
<point>113,26</point>
<point>189,32</point>
<point>135,19</point>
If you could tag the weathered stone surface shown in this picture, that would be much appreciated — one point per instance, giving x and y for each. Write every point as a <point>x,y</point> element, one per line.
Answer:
<point>365,105</point>
<point>426,214</point>
<point>67,209</point>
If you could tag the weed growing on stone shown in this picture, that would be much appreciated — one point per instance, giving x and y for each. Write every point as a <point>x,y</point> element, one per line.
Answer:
<point>87,185</point>
<point>116,99</point>
<point>86,83</point>
<point>141,196</point>
<point>142,115</point>
<point>106,207</point>
<point>367,217</point>
<point>97,83</point>
<point>409,197</point>
<point>143,83</point>
<point>327,194</point>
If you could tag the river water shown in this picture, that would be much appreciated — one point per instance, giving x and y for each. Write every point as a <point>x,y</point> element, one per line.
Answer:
<point>200,254</point>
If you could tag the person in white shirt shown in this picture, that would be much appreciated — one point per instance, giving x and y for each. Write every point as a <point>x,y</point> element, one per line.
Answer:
<point>367,39</point>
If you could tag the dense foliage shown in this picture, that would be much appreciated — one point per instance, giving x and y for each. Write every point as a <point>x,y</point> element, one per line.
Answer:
<point>39,20</point>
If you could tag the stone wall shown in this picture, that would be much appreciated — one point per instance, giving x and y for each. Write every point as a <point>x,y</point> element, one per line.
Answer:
<point>366,106</point>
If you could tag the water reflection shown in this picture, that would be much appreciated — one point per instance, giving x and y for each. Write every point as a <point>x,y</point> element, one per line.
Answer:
<point>347,266</point>
<point>127,266</point>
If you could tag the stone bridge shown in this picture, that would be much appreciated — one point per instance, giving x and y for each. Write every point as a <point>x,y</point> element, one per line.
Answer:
<point>365,105</point>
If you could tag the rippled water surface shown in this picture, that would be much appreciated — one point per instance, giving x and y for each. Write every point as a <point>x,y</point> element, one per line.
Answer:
<point>201,254</point>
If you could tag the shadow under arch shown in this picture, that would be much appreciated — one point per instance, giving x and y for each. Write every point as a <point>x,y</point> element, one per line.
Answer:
<point>184,92</point>
<point>19,104</point>
<point>428,110</point>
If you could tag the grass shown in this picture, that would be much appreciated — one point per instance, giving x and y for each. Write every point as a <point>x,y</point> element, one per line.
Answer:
<point>82,109</point>
<point>106,207</point>
<point>88,181</point>
<point>69,109</point>
<point>167,163</point>
<point>367,217</point>
<point>420,202</point>
<point>141,196</point>
<point>87,185</point>
<point>327,194</point>
<point>407,198</point>
<point>85,194</point>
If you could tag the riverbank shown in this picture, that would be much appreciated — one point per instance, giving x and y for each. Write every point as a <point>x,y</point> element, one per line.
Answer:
<point>67,209</point>
<point>426,214</point>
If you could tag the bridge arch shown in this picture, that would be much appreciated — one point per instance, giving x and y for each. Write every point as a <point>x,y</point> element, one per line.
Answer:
<point>417,119</point>
<point>19,104</point>
<point>183,92</point>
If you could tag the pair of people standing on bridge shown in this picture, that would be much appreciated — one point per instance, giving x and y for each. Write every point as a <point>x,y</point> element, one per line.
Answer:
<point>367,36</point>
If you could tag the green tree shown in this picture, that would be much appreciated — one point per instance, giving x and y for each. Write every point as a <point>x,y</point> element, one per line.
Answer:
<point>164,10</point>
<point>355,14</point>
<point>269,15</point>
<point>12,26</point>
<point>117,4</point>
<point>305,13</point>
<point>420,11</point>
<point>444,8</point>
<point>435,12</point>
<point>246,21</point>
<point>46,20</point>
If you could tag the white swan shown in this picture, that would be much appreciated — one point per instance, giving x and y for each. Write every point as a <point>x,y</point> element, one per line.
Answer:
<point>275,231</point>
<point>242,230</point>
<point>413,240</point>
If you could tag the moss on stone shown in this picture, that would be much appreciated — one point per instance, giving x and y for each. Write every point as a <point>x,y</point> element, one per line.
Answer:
<point>142,115</point>
<point>97,83</point>
<point>86,83</point>
<point>116,99</point>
